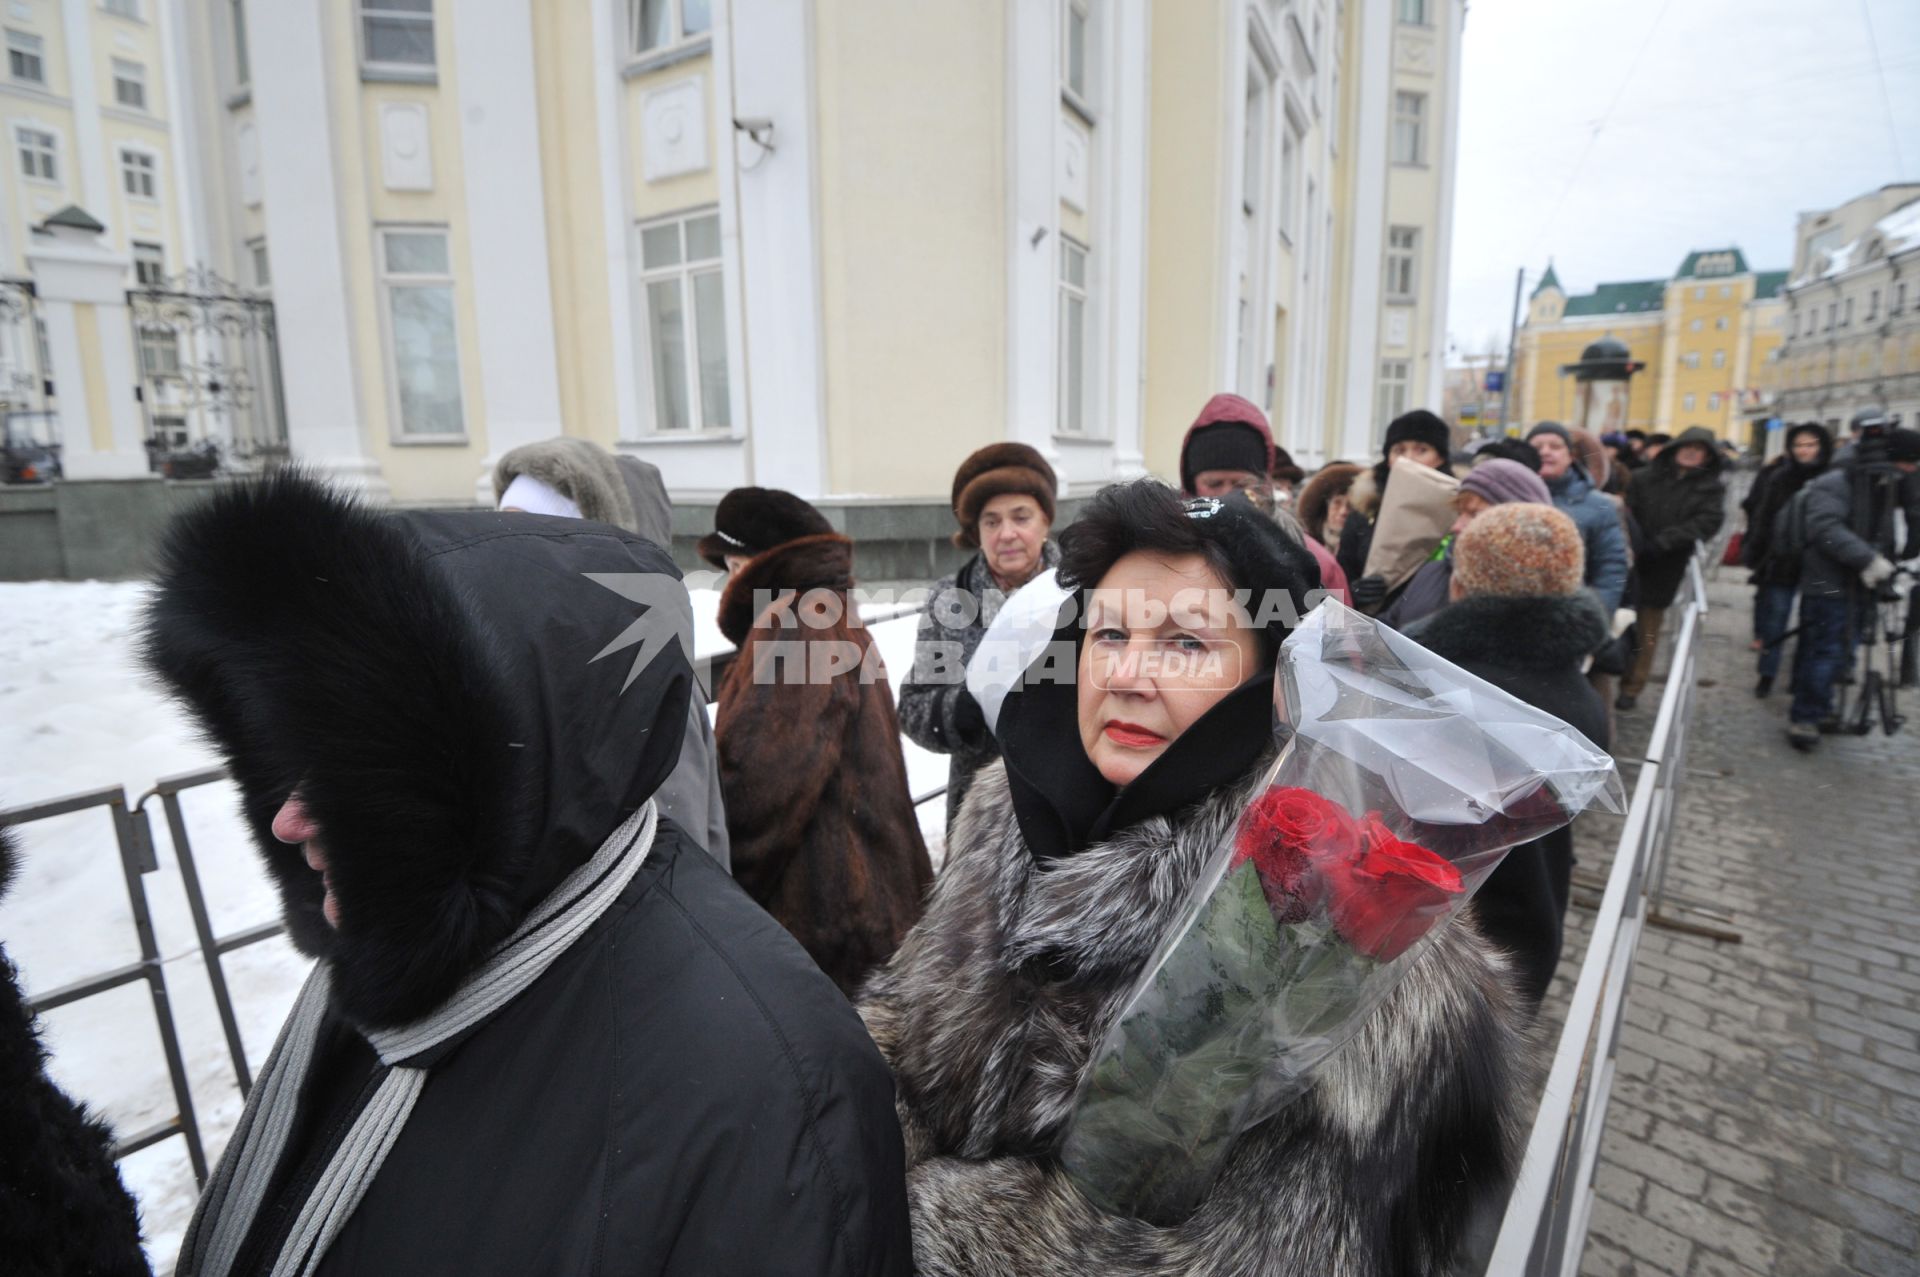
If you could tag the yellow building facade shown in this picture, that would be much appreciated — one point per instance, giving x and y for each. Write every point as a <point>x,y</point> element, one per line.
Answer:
<point>1707,337</point>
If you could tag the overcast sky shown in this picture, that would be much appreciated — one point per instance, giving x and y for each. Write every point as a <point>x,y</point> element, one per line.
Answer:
<point>1717,121</point>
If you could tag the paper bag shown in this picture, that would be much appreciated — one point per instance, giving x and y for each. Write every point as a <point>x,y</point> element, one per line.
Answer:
<point>1414,515</point>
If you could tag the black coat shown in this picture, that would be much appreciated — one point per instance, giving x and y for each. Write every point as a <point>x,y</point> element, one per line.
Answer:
<point>63,1209</point>
<point>458,699</point>
<point>1772,488</point>
<point>1676,509</point>
<point>1532,649</point>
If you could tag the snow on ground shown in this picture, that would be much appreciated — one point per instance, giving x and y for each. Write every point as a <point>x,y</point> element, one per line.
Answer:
<point>79,714</point>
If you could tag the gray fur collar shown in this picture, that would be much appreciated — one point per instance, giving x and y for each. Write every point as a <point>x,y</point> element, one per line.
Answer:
<point>1520,633</point>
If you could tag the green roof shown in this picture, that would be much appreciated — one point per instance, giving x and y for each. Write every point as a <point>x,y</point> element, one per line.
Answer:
<point>1722,266</point>
<point>1630,298</point>
<point>1549,280</point>
<point>1768,283</point>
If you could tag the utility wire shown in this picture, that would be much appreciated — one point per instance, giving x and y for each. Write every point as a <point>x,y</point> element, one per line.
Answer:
<point>1893,134</point>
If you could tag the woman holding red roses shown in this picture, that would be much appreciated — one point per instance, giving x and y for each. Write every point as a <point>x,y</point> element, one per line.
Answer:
<point>1129,754</point>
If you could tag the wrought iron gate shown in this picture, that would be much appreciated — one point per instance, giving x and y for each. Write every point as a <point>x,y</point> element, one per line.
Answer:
<point>209,364</point>
<point>26,380</point>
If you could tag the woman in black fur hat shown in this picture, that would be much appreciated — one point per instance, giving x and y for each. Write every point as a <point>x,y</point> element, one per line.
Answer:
<point>1003,500</point>
<point>1070,862</point>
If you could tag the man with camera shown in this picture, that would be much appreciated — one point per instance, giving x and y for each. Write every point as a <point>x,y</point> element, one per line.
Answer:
<point>1844,523</point>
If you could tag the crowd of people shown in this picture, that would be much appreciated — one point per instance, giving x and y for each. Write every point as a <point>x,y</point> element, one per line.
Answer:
<point>606,987</point>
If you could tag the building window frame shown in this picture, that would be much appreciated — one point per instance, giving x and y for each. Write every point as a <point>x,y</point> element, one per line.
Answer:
<point>675,40</point>
<point>1409,129</point>
<point>1899,302</point>
<point>1403,264</point>
<point>36,153</point>
<point>159,351</point>
<point>149,263</point>
<point>1713,401</point>
<point>129,9</point>
<point>1391,390</point>
<point>26,58</point>
<point>237,24</point>
<point>259,262</point>
<point>1077,84</point>
<point>1074,366</point>
<point>1413,13</point>
<point>1687,401</point>
<point>1696,325</point>
<point>698,284</point>
<point>1719,359</point>
<point>130,84</point>
<point>395,285</point>
<point>1873,306</point>
<point>395,17</point>
<point>139,173</point>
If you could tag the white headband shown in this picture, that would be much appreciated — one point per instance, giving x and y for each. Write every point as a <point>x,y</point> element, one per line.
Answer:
<point>529,494</point>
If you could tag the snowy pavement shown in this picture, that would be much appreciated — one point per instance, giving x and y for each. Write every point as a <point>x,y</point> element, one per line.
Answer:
<point>80,714</point>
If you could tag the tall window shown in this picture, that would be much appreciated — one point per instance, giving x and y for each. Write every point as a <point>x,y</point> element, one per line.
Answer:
<point>1390,399</point>
<point>137,176</point>
<point>1403,263</point>
<point>396,33</point>
<point>129,84</point>
<point>661,24</point>
<point>1073,51</point>
<point>37,148</point>
<point>1414,11</point>
<point>1690,360</point>
<point>121,8</point>
<point>1073,337</point>
<point>1833,312</point>
<point>257,253</point>
<point>686,323</point>
<point>1719,359</point>
<point>1686,403</point>
<point>242,74</point>
<point>1289,176</point>
<point>149,264</point>
<point>423,345</point>
<point>1721,323</point>
<point>1713,402</point>
<point>1873,306</point>
<point>25,59</point>
<point>1409,128</point>
<point>1695,326</point>
<point>1846,312</point>
<point>1899,299</point>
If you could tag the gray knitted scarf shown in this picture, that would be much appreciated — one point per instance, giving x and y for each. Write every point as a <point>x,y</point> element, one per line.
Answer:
<point>235,1194</point>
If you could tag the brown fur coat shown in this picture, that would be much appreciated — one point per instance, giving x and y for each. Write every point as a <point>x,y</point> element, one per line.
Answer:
<point>819,815</point>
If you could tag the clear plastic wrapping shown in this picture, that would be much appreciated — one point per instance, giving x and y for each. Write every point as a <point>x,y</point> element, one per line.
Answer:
<point>1401,783</point>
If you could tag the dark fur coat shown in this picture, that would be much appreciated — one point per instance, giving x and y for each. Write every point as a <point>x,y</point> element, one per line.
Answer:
<point>822,824</point>
<point>63,1209</point>
<point>989,1014</point>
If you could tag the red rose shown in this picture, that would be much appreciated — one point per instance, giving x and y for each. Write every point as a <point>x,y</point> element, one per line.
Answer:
<point>1387,897</point>
<point>1285,833</point>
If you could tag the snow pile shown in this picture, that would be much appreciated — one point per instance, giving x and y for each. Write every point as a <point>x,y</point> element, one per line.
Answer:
<point>81,715</point>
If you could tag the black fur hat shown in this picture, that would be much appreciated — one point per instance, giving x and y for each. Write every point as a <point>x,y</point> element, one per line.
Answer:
<point>1418,426</point>
<point>751,521</point>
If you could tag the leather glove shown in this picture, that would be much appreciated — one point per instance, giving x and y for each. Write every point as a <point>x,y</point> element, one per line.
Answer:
<point>1369,592</point>
<point>1877,573</point>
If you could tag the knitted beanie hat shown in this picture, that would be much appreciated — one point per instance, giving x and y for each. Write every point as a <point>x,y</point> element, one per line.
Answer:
<point>1499,481</point>
<point>1520,550</point>
<point>1418,426</point>
<point>1223,445</point>
<point>997,470</point>
<point>1552,428</point>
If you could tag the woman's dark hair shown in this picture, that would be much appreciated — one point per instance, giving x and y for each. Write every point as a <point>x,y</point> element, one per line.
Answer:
<point>1513,450</point>
<point>1242,545</point>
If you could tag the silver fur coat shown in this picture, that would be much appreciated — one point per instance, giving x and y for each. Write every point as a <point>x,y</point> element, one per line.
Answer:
<point>991,1009</point>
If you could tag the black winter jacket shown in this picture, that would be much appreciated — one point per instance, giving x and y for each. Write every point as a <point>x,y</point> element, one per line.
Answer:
<point>681,1091</point>
<point>1835,553</point>
<point>1772,488</point>
<point>1676,509</point>
<point>1531,648</point>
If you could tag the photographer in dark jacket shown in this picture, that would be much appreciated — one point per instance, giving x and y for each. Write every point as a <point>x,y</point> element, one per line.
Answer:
<point>545,1032</point>
<point>1776,578</point>
<point>1848,556</point>
<point>1679,501</point>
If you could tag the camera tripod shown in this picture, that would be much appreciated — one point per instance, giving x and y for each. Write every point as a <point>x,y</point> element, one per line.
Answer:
<point>1876,695</point>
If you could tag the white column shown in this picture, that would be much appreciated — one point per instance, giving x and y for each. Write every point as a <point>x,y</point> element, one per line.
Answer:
<point>90,146</point>
<point>615,178</point>
<point>1128,145</point>
<point>189,190</point>
<point>1367,220</point>
<point>771,78</point>
<point>303,209</point>
<point>506,227</point>
<point>1454,16</point>
<point>72,268</point>
<point>1033,215</point>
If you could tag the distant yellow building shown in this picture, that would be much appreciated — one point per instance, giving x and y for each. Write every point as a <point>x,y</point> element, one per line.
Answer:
<point>1706,337</point>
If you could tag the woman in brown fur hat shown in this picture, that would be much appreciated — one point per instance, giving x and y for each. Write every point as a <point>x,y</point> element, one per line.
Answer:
<point>1003,500</point>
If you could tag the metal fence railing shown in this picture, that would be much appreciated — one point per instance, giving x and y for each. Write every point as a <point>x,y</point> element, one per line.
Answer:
<point>1545,1227</point>
<point>134,840</point>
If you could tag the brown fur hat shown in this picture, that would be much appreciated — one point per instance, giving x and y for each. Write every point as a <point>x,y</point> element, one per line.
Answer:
<point>995,471</point>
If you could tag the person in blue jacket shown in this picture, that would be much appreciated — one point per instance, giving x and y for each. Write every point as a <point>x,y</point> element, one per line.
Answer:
<point>1591,512</point>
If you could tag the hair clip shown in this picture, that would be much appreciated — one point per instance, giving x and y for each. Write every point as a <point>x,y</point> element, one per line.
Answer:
<point>1203,507</point>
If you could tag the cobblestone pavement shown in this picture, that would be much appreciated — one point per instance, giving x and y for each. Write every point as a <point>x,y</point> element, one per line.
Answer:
<point>1766,1109</point>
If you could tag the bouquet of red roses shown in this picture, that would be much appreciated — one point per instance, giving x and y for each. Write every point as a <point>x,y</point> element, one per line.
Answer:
<point>1400,784</point>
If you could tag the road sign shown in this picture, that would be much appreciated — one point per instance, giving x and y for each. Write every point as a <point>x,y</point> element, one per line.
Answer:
<point>1496,381</point>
